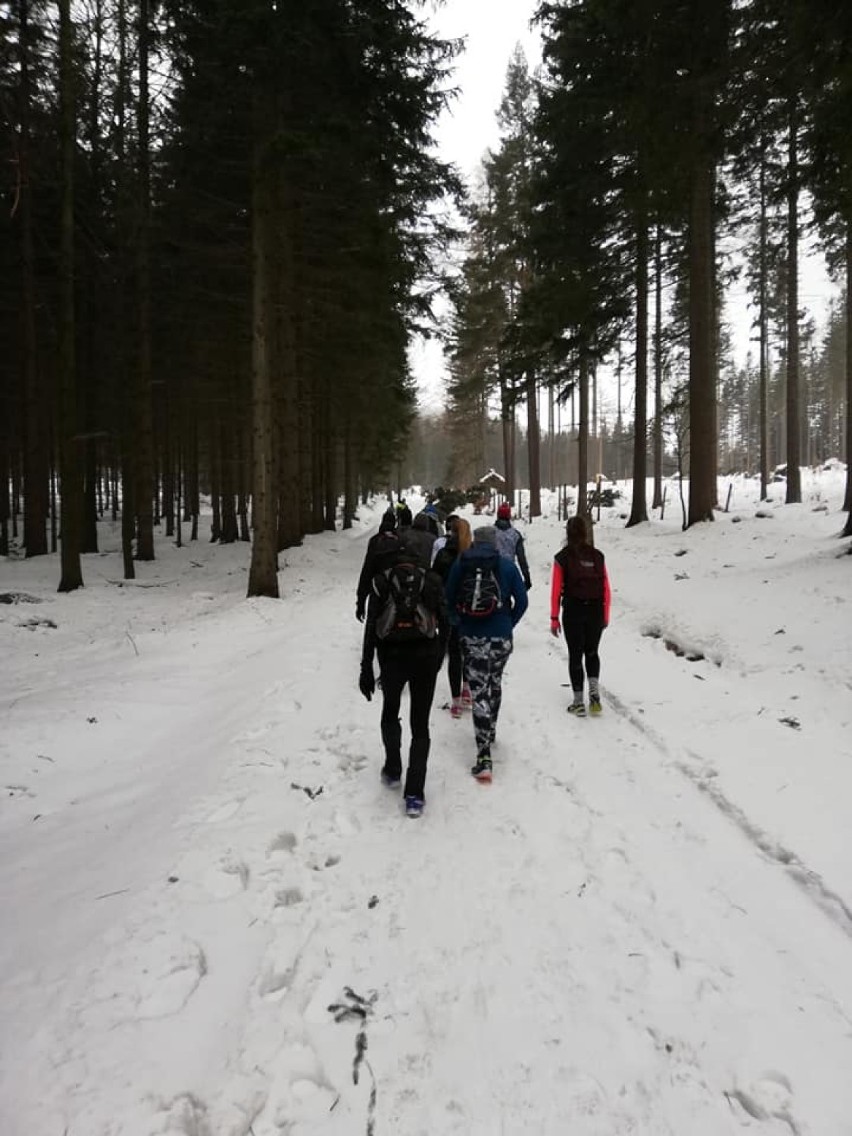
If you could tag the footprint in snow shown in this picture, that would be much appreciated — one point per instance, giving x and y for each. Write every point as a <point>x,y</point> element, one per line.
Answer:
<point>283,842</point>
<point>288,897</point>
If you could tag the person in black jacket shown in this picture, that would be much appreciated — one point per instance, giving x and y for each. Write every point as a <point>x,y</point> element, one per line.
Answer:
<point>403,514</point>
<point>417,540</point>
<point>407,657</point>
<point>381,550</point>
<point>445,554</point>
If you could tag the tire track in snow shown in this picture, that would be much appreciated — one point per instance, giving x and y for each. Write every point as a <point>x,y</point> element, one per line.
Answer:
<point>810,882</point>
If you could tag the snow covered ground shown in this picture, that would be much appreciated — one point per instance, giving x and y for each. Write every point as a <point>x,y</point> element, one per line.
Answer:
<point>644,926</point>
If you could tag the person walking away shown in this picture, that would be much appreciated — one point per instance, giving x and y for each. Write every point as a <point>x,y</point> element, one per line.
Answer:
<point>580,585</point>
<point>510,543</point>
<point>486,595</point>
<point>451,547</point>
<point>406,629</point>
<point>431,511</point>
<point>403,514</point>
<point>417,540</point>
<point>449,526</point>
<point>382,549</point>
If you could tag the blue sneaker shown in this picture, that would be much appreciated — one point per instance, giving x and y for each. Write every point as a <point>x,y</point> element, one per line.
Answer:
<point>414,806</point>
<point>392,780</point>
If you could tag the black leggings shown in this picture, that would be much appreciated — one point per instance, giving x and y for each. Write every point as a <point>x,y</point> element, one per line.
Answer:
<point>454,662</point>
<point>401,666</point>
<point>582,623</point>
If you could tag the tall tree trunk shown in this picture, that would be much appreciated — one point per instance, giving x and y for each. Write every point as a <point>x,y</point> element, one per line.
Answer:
<point>657,502</point>
<point>36,411</point>
<point>124,356</point>
<point>92,297</point>
<point>583,439</point>
<point>263,572</point>
<point>763,334</point>
<point>534,447</point>
<point>639,508</point>
<point>329,467</point>
<point>69,444</point>
<point>794,447</point>
<point>702,340</point>
<point>507,420</point>
<point>228,467</point>
<point>350,496</point>
<point>551,437</point>
<point>144,424</point>
<point>292,514</point>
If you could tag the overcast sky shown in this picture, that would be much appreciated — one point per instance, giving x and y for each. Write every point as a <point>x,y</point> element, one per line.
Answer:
<point>490,29</point>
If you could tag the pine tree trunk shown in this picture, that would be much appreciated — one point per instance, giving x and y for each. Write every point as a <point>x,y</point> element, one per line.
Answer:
<point>507,417</point>
<point>702,342</point>
<point>36,445</point>
<point>583,440</point>
<point>763,321</point>
<point>144,432</point>
<point>128,525</point>
<point>5,497</point>
<point>794,453</point>
<point>534,447</point>
<point>329,471</point>
<point>657,502</point>
<point>69,445</point>
<point>639,508</point>
<point>306,457</point>
<point>229,486</point>
<point>92,296</point>
<point>293,508</point>
<point>263,572</point>
<point>350,498</point>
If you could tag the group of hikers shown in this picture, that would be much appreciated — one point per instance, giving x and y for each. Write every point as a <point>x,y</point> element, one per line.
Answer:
<point>423,594</point>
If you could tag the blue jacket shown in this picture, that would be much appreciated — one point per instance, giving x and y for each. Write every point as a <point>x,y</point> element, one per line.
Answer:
<point>500,624</point>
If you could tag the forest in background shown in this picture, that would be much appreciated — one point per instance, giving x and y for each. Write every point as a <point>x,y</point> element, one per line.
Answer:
<point>655,139</point>
<point>225,221</point>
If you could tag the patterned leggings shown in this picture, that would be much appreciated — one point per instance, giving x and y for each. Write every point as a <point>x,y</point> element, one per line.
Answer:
<point>484,660</point>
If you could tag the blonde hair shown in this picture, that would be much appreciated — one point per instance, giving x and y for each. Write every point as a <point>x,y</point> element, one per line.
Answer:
<point>463,535</point>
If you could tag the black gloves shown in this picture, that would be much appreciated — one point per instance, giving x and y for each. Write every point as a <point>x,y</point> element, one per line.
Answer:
<point>367,683</point>
<point>528,584</point>
<point>359,611</point>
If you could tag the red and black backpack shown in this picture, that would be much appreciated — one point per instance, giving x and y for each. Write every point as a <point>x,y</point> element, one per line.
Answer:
<point>582,573</point>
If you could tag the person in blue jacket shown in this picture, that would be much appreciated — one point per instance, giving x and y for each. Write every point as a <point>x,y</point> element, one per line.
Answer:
<point>487,597</point>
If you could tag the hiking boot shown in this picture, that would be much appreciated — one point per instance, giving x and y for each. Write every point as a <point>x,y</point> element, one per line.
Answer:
<point>456,708</point>
<point>482,770</point>
<point>390,778</point>
<point>595,706</point>
<point>414,806</point>
<point>578,709</point>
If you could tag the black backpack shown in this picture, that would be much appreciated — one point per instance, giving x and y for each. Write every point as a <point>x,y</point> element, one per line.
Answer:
<point>583,573</point>
<point>409,607</point>
<point>479,592</point>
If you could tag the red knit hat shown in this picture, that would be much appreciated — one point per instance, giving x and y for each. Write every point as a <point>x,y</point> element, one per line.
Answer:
<point>504,511</point>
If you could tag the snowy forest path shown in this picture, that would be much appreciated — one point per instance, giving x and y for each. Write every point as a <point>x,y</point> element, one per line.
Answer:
<point>574,948</point>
